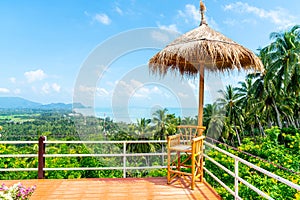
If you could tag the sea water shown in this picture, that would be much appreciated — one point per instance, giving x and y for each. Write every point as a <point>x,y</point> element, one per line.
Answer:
<point>131,114</point>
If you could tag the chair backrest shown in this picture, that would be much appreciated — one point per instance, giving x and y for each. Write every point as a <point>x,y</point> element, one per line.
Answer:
<point>188,132</point>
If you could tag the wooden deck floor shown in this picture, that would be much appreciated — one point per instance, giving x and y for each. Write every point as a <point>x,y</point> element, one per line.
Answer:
<point>116,189</point>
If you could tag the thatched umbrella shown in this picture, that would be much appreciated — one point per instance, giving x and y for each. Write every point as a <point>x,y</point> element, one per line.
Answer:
<point>203,48</point>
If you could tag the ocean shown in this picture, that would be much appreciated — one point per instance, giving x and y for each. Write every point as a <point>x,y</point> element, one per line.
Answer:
<point>131,114</point>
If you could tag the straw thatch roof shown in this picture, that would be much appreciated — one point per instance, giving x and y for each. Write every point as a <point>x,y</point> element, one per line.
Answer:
<point>203,45</point>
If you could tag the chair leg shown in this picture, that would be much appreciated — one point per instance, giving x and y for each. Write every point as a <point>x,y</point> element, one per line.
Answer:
<point>193,171</point>
<point>178,161</point>
<point>201,167</point>
<point>169,168</point>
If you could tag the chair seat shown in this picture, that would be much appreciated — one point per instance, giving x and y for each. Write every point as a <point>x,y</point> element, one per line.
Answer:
<point>181,148</point>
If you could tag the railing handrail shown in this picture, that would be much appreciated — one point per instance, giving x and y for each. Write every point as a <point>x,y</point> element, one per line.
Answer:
<point>85,142</point>
<point>106,142</point>
<point>18,142</point>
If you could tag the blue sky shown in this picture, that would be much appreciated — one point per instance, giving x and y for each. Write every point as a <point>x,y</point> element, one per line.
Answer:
<point>45,44</point>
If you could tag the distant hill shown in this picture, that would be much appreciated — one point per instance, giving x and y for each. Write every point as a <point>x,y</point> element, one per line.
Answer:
<point>56,106</point>
<point>18,102</point>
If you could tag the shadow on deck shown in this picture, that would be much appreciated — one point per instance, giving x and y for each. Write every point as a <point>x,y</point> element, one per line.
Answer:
<point>116,189</point>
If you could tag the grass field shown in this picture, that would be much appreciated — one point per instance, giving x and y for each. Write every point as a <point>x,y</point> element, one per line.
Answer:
<point>19,118</point>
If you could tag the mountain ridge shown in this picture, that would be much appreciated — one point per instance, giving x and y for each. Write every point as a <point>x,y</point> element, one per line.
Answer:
<point>22,103</point>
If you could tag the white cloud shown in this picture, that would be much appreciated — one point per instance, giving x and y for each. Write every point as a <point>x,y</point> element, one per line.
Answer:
<point>142,93</point>
<point>190,14</point>
<point>126,88</point>
<point>159,36</point>
<point>36,75</point>
<point>278,16</point>
<point>86,13</point>
<point>102,18</point>
<point>33,88</point>
<point>17,91</point>
<point>234,22</point>
<point>156,90</point>
<point>146,92</point>
<point>102,92</point>
<point>183,95</point>
<point>193,12</point>
<point>4,90</point>
<point>83,88</point>
<point>13,79</point>
<point>136,89</point>
<point>192,84</point>
<point>171,27</point>
<point>47,88</point>
<point>118,10</point>
<point>56,87</point>
<point>231,22</point>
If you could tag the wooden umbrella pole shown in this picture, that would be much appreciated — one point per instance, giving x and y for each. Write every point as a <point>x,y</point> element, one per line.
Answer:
<point>201,95</point>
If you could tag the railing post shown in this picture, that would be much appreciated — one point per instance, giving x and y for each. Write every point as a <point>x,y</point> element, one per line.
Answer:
<point>124,159</point>
<point>236,181</point>
<point>162,157</point>
<point>202,162</point>
<point>41,158</point>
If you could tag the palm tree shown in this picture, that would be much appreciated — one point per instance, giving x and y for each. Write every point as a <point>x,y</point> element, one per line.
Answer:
<point>233,111</point>
<point>165,123</point>
<point>142,127</point>
<point>256,99</point>
<point>213,120</point>
<point>247,102</point>
<point>284,60</point>
<point>281,80</point>
<point>244,93</point>
<point>160,121</point>
<point>189,121</point>
<point>287,108</point>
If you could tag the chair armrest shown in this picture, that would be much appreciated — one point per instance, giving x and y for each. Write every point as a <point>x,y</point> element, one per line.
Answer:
<point>173,140</point>
<point>196,139</point>
<point>197,144</point>
<point>171,137</point>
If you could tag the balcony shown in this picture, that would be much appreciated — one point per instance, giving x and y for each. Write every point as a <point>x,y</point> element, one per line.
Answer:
<point>126,188</point>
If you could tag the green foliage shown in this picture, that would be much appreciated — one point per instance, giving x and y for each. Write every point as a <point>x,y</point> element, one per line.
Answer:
<point>272,151</point>
<point>157,173</point>
<point>273,133</point>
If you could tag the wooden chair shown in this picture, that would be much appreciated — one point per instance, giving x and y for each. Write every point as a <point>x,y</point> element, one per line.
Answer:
<point>188,161</point>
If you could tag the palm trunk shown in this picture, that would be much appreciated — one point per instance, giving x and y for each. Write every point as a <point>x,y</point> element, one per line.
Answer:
<point>277,114</point>
<point>237,135</point>
<point>292,120</point>
<point>269,123</point>
<point>242,129</point>
<point>252,130</point>
<point>261,130</point>
<point>297,123</point>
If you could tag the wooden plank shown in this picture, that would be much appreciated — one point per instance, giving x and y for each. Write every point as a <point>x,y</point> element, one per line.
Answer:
<point>118,188</point>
